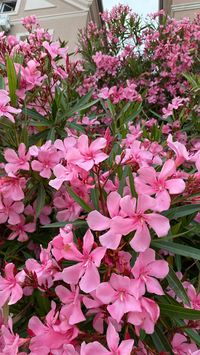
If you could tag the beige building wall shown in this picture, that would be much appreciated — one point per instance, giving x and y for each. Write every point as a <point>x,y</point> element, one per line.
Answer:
<point>181,8</point>
<point>62,17</point>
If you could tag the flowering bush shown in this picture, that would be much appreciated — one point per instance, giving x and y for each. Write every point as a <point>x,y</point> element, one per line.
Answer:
<point>100,188</point>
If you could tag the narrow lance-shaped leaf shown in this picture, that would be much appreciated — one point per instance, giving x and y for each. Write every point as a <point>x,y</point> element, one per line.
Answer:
<point>176,248</point>
<point>12,80</point>
<point>177,286</point>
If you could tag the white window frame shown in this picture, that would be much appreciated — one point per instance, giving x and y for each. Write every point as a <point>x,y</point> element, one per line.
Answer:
<point>4,3</point>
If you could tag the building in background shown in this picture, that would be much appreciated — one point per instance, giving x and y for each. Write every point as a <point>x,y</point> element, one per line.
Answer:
<point>180,8</point>
<point>63,18</point>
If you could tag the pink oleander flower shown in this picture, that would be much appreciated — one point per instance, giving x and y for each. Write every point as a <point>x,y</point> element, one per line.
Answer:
<point>55,50</point>
<point>72,303</point>
<point>61,245</point>
<point>119,294</point>
<point>179,149</point>
<point>10,342</point>
<point>193,295</point>
<point>146,318</point>
<point>29,21</point>
<point>127,215</point>
<point>11,187</point>
<point>45,269</point>
<point>21,229</point>
<point>113,340</point>
<point>10,211</point>
<point>145,271</point>
<point>47,158</point>
<point>62,174</point>
<point>181,346</point>
<point>90,154</point>
<point>86,269</point>
<point>68,209</point>
<point>16,161</point>
<point>5,109</point>
<point>10,286</point>
<point>150,182</point>
<point>52,335</point>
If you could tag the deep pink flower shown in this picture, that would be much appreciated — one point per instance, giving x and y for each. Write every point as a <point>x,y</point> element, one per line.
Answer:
<point>145,271</point>
<point>12,187</point>
<point>119,294</point>
<point>86,268</point>
<point>62,245</point>
<point>10,342</point>
<point>10,288</point>
<point>47,158</point>
<point>151,182</point>
<point>16,161</point>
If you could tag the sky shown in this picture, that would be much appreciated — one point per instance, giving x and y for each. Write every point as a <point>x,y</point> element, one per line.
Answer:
<point>142,7</point>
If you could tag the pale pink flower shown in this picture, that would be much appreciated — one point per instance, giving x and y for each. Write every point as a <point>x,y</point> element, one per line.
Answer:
<point>145,271</point>
<point>62,245</point>
<point>55,50</point>
<point>11,187</point>
<point>47,158</point>
<point>119,294</point>
<point>181,346</point>
<point>10,211</point>
<point>45,269</point>
<point>5,109</point>
<point>72,302</point>
<point>86,268</point>
<point>91,154</point>
<point>21,229</point>
<point>151,182</point>
<point>137,220</point>
<point>10,286</point>
<point>10,342</point>
<point>16,161</point>
<point>113,340</point>
<point>146,318</point>
<point>62,174</point>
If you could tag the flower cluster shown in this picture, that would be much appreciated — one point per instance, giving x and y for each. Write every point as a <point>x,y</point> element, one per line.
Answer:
<point>100,190</point>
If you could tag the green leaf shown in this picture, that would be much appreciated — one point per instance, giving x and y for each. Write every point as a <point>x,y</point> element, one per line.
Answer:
<point>131,182</point>
<point>193,335</point>
<point>177,286</point>
<point>77,223</point>
<point>2,83</point>
<point>33,114</point>
<point>79,200</point>
<point>12,80</point>
<point>40,201</point>
<point>182,211</point>
<point>178,312</point>
<point>176,248</point>
<point>160,341</point>
<point>123,180</point>
<point>95,198</point>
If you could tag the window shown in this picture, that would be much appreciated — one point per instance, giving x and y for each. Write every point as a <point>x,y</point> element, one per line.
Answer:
<point>7,6</point>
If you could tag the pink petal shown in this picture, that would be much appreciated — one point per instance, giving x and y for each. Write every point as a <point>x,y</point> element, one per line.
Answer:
<point>11,156</point>
<point>105,292</point>
<point>83,144</point>
<point>98,144</point>
<point>88,241</point>
<point>175,186</point>
<point>112,337</point>
<point>162,201</point>
<point>128,205</point>
<point>158,268</point>
<point>16,294</point>
<point>110,240</point>
<point>141,239</point>
<point>90,279</point>
<point>113,202</point>
<point>126,347</point>
<point>97,221</point>
<point>168,169</point>
<point>97,255</point>
<point>160,224</point>
<point>147,175</point>
<point>153,286</point>
<point>63,293</point>
<point>145,203</point>
<point>72,274</point>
